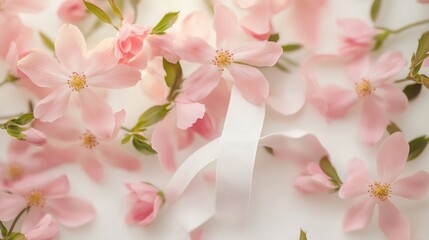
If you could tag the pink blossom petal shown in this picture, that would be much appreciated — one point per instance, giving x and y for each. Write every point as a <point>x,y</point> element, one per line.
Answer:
<point>392,157</point>
<point>258,21</point>
<point>31,220</point>
<point>57,188</point>
<point>412,187</point>
<point>188,113</point>
<point>10,206</point>
<point>119,76</point>
<point>200,83</point>
<point>69,129</point>
<point>119,119</point>
<point>70,48</point>
<point>394,225</point>
<point>43,70</point>
<point>354,27</point>
<point>119,158</point>
<point>96,114</point>
<point>339,101</point>
<point>226,26</point>
<point>206,127</point>
<point>373,121</point>
<point>312,184</point>
<point>358,68</point>
<point>92,167</point>
<point>195,49</point>
<point>46,229</point>
<point>359,216</point>
<point>31,6</point>
<point>357,182</point>
<point>196,24</point>
<point>53,106</point>
<point>251,82</point>
<point>101,58</point>
<point>245,3</point>
<point>71,212</point>
<point>394,99</point>
<point>164,144</point>
<point>261,54</point>
<point>143,213</point>
<point>386,66</point>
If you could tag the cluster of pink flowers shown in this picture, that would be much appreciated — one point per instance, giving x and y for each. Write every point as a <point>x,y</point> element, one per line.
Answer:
<point>73,122</point>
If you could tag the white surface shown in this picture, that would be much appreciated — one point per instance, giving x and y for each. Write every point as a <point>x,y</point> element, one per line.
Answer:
<point>277,210</point>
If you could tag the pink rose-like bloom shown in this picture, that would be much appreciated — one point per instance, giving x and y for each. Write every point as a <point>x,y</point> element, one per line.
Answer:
<point>357,37</point>
<point>77,73</point>
<point>391,160</point>
<point>231,53</point>
<point>72,11</point>
<point>34,136</point>
<point>46,229</point>
<point>147,202</point>
<point>373,88</point>
<point>129,44</point>
<point>314,180</point>
<point>44,196</point>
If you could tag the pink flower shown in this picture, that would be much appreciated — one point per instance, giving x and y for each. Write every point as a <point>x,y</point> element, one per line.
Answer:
<point>423,1</point>
<point>147,202</point>
<point>78,73</point>
<point>372,88</point>
<point>129,44</point>
<point>13,31</point>
<point>44,196</point>
<point>46,229</point>
<point>34,136</point>
<point>72,11</point>
<point>231,53</point>
<point>314,180</point>
<point>357,37</point>
<point>391,160</point>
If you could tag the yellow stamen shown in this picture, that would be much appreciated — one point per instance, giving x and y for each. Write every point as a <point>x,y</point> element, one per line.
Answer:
<point>77,81</point>
<point>222,59</point>
<point>364,88</point>
<point>36,198</point>
<point>380,191</point>
<point>89,140</point>
<point>15,171</point>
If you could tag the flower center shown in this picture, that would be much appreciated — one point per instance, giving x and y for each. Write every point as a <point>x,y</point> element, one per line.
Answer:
<point>77,81</point>
<point>380,191</point>
<point>36,198</point>
<point>89,140</point>
<point>222,59</point>
<point>2,3</point>
<point>15,171</point>
<point>364,88</point>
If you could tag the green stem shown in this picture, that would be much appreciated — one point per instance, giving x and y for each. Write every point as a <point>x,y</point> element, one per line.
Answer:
<point>16,220</point>
<point>403,80</point>
<point>10,116</point>
<point>406,27</point>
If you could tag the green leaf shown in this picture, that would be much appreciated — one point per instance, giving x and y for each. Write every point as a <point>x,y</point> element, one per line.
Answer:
<point>173,78</point>
<point>15,131</point>
<point>417,146</point>
<point>166,22</point>
<point>126,139</point>
<point>412,90</point>
<point>274,37</point>
<point>47,41</point>
<point>375,9</point>
<point>379,39</point>
<point>16,236</point>
<point>422,49</point>
<point>291,47</point>
<point>24,119</point>
<point>392,128</point>
<point>152,116</point>
<point>94,9</point>
<point>143,146</point>
<point>116,9</point>
<point>302,235</point>
<point>3,229</point>
<point>282,67</point>
<point>330,171</point>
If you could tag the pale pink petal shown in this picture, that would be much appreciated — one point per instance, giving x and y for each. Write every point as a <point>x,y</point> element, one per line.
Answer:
<point>373,121</point>
<point>200,83</point>
<point>188,113</point>
<point>70,130</point>
<point>72,11</point>
<point>260,54</point>
<point>339,100</point>
<point>194,49</point>
<point>53,106</point>
<point>92,167</point>
<point>119,119</point>
<point>56,188</point>
<point>43,70</point>
<point>71,212</point>
<point>387,66</point>
<point>258,21</point>
<point>119,158</point>
<point>245,3</point>
<point>34,136</point>
<point>357,182</point>
<point>197,234</point>
<point>30,6</point>
<point>394,225</point>
<point>10,206</point>
<point>359,216</point>
<point>354,27</point>
<point>392,157</point>
<point>196,24</point>
<point>184,138</point>
<point>143,213</point>
<point>312,184</point>
<point>12,58</point>
<point>70,48</point>
<point>164,144</point>
<point>31,220</point>
<point>358,68</point>
<point>101,58</point>
<point>206,127</point>
<point>412,187</point>
<point>393,98</point>
<point>252,83</point>
<point>226,26</point>
<point>46,229</point>
<point>287,97</point>
<point>96,114</point>
<point>119,76</point>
